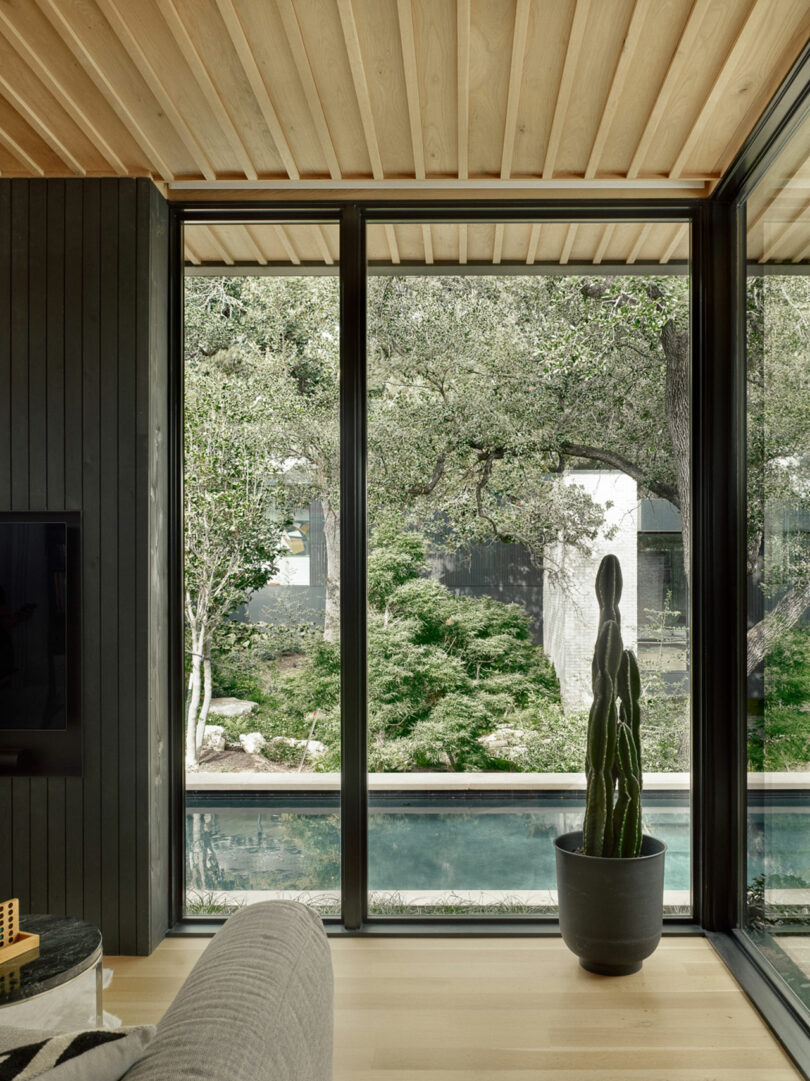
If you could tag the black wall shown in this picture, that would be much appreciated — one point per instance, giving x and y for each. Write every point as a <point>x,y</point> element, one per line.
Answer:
<point>83,409</point>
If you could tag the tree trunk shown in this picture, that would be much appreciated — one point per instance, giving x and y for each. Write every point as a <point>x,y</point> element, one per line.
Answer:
<point>676,350</point>
<point>331,532</point>
<point>194,703</point>
<point>763,635</point>
<point>206,702</point>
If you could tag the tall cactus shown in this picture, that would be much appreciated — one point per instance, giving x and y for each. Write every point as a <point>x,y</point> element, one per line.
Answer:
<point>613,820</point>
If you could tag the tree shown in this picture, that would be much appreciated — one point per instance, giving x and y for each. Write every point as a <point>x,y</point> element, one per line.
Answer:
<point>231,538</point>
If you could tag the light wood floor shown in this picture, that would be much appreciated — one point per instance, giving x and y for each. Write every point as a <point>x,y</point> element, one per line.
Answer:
<point>508,1010</point>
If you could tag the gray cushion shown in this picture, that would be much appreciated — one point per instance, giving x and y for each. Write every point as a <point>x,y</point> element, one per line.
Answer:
<point>256,1007</point>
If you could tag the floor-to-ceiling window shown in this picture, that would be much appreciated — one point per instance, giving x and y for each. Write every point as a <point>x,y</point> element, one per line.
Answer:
<point>528,412</point>
<point>778,643</point>
<point>262,564</point>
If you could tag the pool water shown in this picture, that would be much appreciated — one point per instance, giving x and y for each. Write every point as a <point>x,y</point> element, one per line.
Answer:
<point>457,844</point>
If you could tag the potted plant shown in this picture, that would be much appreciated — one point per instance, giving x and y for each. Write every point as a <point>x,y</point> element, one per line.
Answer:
<point>610,877</point>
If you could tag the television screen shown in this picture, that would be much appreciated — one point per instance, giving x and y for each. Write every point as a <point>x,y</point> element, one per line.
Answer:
<point>33,625</point>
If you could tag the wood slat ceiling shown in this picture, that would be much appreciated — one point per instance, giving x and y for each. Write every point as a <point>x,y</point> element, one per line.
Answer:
<point>362,93</point>
<point>573,244</point>
<point>778,212</point>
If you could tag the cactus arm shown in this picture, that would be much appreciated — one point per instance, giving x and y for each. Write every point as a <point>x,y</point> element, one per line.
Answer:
<point>609,590</point>
<point>627,812</point>
<point>629,693</point>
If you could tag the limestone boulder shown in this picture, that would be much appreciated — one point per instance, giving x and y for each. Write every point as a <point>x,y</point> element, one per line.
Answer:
<point>231,707</point>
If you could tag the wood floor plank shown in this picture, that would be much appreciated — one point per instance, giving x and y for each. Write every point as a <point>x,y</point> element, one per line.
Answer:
<point>508,1010</point>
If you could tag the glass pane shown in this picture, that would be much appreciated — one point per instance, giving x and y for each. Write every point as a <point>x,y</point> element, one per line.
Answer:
<point>261,504</point>
<point>778,352</point>
<point>528,413</point>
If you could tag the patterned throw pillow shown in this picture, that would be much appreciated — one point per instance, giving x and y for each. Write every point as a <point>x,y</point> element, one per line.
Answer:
<point>95,1055</point>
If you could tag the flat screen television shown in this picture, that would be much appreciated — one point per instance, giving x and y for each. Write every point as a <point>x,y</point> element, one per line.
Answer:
<point>39,722</point>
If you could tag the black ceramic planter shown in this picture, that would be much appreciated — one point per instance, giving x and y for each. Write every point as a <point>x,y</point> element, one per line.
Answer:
<point>611,910</point>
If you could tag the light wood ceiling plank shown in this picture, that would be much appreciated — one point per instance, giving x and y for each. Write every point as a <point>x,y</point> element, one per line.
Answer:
<point>641,240</point>
<point>681,232</point>
<point>406,36</point>
<point>323,246</point>
<point>285,242</point>
<point>254,244</point>
<point>298,49</point>
<point>573,51</point>
<point>22,156</point>
<point>497,244</point>
<point>212,96</point>
<point>462,243</point>
<point>778,239</point>
<point>463,67</point>
<point>519,38</point>
<point>96,73</point>
<point>624,67</point>
<point>191,254</point>
<point>358,70</point>
<point>427,242</point>
<point>236,32</point>
<point>42,70</point>
<point>803,254</point>
<point>680,59</point>
<point>391,238</point>
<point>568,244</point>
<point>534,240</point>
<point>43,130</point>
<point>754,23</point>
<point>139,57</point>
<point>209,233</point>
<point>607,236</point>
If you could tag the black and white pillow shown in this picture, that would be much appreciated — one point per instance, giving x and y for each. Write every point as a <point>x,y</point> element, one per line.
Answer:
<point>95,1055</point>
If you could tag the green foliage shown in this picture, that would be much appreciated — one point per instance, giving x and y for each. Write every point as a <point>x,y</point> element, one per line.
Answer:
<point>780,741</point>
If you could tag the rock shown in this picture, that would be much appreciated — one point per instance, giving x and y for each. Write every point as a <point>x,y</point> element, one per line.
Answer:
<point>230,707</point>
<point>214,737</point>
<point>252,742</point>
<point>314,746</point>
<point>502,737</point>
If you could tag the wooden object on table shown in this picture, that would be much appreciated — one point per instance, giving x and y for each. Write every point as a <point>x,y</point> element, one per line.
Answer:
<point>13,941</point>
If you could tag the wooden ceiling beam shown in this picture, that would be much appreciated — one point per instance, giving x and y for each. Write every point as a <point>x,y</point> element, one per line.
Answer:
<point>497,246</point>
<point>323,244</point>
<point>285,242</point>
<point>680,58</point>
<point>134,50</point>
<point>261,258</point>
<point>56,17</point>
<point>38,124</point>
<point>519,37</point>
<point>534,240</point>
<point>681,231</point>
<point>604,240</point>
<point>427,241</point>
<point>239,40</point>
<point>29,54</point>
<point>193,257</point>
<point>391,238</point>
<point>641,240</point>
<point>779,238</point>
<point>624,66</point>
<point>408,44</point>
<point>212,96</point>
<point>351,40</point>
<point>216,243</point>
<point>295,40</point>
<point>463,89</point>
<point>462,243</point>
<point>22,156</point>
<point>568,243</point>
<point>753,26</point>
<point>572,54</point>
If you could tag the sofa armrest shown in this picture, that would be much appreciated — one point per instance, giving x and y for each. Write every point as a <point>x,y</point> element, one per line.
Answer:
<point>257,1006</point>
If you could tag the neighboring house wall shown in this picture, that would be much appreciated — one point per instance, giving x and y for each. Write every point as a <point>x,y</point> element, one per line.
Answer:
<point>571,611</point>
<point>83,404</point>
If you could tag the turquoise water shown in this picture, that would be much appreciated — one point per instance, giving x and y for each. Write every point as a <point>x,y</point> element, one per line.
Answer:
<point>449,845</point>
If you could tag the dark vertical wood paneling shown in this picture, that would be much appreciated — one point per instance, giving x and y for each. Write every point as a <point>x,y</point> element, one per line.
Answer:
<point>37,348</point>
<point>83,407</point>
<point>108,546</point>
<point>131,581</point>
<point>91,550</point>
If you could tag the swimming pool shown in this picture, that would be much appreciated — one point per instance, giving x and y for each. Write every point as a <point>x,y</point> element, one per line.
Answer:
<point>429,844</point>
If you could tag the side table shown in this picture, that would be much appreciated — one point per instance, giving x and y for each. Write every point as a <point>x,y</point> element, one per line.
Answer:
<point>61,988</point>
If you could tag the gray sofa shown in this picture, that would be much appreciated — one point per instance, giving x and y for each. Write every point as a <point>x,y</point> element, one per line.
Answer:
<point>256,1007</point>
